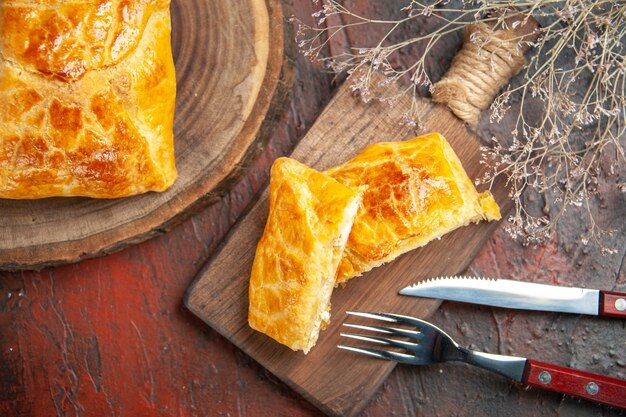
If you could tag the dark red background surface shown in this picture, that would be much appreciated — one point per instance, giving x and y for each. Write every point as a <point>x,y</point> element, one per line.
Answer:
<point>110,336</point>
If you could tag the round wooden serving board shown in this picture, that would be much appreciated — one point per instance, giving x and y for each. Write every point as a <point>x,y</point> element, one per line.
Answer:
<point>231,72</point>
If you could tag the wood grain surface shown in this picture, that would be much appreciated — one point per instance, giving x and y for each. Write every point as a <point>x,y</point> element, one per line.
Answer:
<point>341,383</point>
<point>232,79</point>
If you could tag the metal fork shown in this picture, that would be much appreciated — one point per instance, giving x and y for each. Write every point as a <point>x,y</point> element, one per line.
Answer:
<point>424,344</point>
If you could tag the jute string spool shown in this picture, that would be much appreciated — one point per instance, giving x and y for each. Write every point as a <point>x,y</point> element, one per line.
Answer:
<point>487,61</point>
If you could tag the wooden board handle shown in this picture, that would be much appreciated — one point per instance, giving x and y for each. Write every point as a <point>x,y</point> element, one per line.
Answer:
<point>598,388</point>
<point>613,304</point>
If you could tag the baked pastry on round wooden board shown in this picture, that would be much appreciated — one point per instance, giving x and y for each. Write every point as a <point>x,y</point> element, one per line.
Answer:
<point>229,57</point>
<point>90,90</point>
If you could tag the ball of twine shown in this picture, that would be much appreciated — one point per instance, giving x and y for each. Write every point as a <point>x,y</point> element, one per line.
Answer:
<point>487,61</point>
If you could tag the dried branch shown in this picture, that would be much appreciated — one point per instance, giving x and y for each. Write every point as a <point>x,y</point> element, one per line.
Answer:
<point>576,72</point>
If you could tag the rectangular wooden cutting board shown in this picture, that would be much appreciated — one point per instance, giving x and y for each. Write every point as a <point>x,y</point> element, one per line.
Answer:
<point>341,383</point>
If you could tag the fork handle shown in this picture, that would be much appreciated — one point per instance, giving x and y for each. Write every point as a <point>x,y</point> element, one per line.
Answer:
<point>598,388</point>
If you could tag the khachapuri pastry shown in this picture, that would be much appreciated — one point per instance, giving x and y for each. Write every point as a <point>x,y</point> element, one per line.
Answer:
<point>87,91</point>
<point>414,191</point>
<point>293,273</point>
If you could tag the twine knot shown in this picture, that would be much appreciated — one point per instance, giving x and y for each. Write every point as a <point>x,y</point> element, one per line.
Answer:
<point>487,61</point>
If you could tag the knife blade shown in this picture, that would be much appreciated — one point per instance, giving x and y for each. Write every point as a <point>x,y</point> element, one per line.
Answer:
<point>521,295</point>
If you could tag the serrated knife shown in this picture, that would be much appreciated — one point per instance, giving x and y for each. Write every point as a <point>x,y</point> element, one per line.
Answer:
<point>521,295</point>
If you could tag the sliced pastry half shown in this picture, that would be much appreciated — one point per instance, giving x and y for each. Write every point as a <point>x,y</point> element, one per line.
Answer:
<point>414,191</point>
<point>293,274</point>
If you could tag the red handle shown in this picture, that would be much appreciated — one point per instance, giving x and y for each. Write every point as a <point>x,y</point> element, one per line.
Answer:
<point>613,304</point>
<point>601,389</point>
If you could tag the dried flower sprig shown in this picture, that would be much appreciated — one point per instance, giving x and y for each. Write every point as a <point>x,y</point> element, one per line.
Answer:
<point>576,74</point>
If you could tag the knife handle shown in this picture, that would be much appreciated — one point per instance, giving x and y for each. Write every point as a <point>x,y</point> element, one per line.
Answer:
<point>613,304</point>
<point>598,388</point>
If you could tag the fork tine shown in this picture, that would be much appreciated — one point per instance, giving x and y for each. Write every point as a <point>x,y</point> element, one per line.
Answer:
<point>397,318</point>
<point>382,354</point>
<point>388,342</point>
<point>412,334</point>
<point>372,315</point>
<point>379,329</point>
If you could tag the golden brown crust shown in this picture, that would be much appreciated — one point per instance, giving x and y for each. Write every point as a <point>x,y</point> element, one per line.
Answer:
<point>292,278</point>
<point>90,88</point>
<point>415,191</point>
